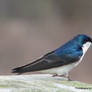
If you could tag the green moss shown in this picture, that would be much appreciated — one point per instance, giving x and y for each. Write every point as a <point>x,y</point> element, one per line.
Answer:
<point>77,84</point>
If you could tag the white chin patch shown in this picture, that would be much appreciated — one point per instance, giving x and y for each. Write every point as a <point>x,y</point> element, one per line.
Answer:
<point>86,46</point>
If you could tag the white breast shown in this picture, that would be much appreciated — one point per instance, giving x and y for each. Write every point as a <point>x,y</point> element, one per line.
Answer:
<point>84,48</point>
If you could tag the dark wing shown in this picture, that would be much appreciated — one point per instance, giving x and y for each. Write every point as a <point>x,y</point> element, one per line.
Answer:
<point>48,61</point>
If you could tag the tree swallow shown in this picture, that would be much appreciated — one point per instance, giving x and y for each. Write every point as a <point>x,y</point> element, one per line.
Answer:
<point>61,60</point>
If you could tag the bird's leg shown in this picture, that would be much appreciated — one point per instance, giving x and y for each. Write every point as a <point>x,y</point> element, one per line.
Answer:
<point>54,75</point>
<point>66,75</point>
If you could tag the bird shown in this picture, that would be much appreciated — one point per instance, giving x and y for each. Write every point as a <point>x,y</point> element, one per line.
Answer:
<point>61,61</point>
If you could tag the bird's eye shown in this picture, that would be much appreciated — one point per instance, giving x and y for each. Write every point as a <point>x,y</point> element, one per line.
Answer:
<point>85,40</point>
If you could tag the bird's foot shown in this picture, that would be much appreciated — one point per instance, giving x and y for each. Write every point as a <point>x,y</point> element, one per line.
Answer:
<point>69,79</point>
<point>64,75</point>
<point>54,75</point>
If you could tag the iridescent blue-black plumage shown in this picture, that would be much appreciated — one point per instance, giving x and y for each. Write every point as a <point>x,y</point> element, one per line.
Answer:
<point>70,52</point>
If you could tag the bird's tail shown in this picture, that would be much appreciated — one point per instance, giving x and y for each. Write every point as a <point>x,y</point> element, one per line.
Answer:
<point>18,70</point>
<point>22,69</point>
<point>33,66</point>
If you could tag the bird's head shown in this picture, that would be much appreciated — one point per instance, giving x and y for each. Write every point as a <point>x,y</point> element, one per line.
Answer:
<point>84,41</point>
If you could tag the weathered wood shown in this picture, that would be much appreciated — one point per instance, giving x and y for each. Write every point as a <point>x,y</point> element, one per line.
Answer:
<point>41,83</point>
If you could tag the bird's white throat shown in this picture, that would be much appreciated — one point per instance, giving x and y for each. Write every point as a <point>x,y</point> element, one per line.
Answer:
<point>86,46</point>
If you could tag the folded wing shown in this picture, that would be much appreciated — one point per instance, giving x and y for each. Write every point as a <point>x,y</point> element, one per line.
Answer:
<point>48,61</point>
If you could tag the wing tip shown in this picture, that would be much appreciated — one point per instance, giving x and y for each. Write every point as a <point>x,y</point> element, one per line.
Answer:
<point>17,70</point>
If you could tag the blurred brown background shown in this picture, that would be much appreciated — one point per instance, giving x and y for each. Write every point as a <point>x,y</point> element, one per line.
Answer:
<point>31,28</point>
